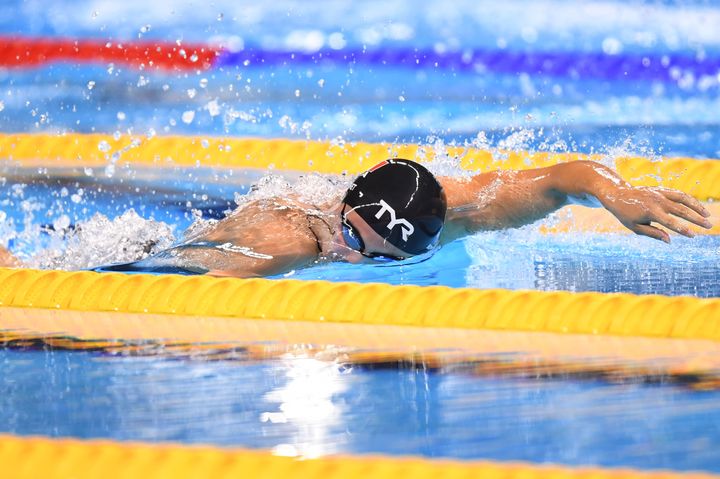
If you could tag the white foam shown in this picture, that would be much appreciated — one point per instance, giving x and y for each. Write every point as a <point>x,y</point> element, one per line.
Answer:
<point>312,188</point>
<point>100,241</point>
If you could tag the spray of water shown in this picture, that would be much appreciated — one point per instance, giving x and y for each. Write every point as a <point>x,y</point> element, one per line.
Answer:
<point>101,241</point>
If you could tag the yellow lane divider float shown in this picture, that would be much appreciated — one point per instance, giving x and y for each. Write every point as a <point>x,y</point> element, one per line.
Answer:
<point>63,458</point>
<point>371,304</point>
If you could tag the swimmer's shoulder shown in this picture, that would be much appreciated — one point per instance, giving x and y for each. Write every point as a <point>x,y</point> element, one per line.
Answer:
<point>267,223</point>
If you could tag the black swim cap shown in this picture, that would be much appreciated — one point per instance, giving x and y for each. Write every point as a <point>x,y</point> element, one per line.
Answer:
<point>402,202</point>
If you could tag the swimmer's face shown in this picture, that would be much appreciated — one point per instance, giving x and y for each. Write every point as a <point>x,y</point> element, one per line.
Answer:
<point>357,242</point>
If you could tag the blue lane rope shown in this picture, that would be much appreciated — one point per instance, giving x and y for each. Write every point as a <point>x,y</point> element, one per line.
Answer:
<point>666,68</point>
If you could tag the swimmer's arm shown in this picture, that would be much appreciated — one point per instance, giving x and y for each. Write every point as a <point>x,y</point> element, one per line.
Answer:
<point>259,239</point>
<point>237,248</point>
<point>508,199</point>
<point>233,261</point>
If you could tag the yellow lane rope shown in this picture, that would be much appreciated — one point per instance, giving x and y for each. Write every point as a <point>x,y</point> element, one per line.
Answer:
<point>376,304</point>
<point>31,458</point>
<point>700,178</point>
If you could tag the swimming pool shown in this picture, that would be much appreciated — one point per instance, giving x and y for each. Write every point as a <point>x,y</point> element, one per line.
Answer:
<point>610,78</point>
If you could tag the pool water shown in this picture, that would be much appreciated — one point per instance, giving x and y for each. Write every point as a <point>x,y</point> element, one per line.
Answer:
<point>593,95</point>
<point>312,408</point>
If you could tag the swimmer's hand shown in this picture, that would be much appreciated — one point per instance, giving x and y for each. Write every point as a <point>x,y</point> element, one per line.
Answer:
<point>638,208</point>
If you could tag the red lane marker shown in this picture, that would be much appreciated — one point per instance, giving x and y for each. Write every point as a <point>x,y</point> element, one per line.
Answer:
<point>22,52</point>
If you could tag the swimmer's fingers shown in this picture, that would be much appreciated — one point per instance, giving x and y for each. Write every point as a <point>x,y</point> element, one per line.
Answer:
<point>687,214</point>
<point>684,199</point>
<point>675,224</point>
<point>651,231</point>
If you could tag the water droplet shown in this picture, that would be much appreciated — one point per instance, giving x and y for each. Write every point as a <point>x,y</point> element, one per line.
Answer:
<point>2,105</point>
<point>191,92</point>
<point>612,46</point>
<point>204,143</point>
<point>61,223</point>
<point>203,83</point>
<point>297,93</point>
<point>220,17</point>
<point>337,41</point>
<point>121,115</point>
<point>104,146</point>
<point>145,28</point>
<point>213,107</point>
<point>188,116</point>
<point>194,58</point>
<point>401,98</point>
<point>95,13</point>
<point>321,82</point>
<point>90,85</point>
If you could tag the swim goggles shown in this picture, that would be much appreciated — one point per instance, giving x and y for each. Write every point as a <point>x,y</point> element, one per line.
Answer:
<point>354,241</point>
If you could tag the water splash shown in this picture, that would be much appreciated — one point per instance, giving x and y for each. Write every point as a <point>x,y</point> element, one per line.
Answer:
<point>312,188</point>
<point>101,241</point>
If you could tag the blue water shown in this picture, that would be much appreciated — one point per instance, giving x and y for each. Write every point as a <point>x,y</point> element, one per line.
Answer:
<point>312,408</point>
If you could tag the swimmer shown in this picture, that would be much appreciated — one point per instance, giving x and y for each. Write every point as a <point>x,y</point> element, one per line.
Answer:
<point>398,209</point>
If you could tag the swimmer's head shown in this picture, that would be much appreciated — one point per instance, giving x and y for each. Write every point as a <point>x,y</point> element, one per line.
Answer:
<point>402,202</point>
